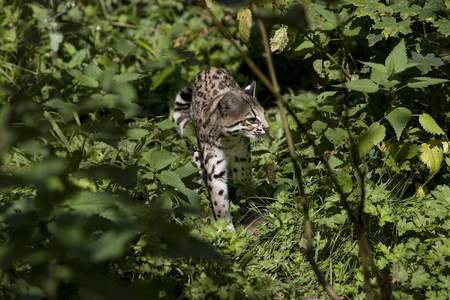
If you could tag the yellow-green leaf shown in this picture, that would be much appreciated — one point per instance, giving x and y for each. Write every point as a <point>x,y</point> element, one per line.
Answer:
<point>430,125</point>
<point>370,137</point>
<point>432,156</point>
<point>244,17</point>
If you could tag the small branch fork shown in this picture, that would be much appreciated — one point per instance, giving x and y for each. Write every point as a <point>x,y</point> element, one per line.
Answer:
<point>272,84</point>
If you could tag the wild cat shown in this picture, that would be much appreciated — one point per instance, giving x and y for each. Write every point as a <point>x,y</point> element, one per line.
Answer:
<point>225,117</point>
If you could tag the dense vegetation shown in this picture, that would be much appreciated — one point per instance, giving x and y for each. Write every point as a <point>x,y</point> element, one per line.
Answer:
<point>97,199</point>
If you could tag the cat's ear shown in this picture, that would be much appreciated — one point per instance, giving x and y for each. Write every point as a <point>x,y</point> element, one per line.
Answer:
<point>228,104</point>
<point>250,89</point>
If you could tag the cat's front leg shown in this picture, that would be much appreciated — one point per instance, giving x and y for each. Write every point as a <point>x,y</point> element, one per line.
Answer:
<point>216,169</point>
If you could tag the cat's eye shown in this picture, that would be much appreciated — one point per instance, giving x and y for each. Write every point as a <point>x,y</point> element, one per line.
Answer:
<point>254,121</point>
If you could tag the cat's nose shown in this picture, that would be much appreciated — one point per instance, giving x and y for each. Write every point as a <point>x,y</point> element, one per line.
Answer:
<point>266,129</point>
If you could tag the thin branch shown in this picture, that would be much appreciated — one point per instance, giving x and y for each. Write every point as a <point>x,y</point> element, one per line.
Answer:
<point>294,159</point>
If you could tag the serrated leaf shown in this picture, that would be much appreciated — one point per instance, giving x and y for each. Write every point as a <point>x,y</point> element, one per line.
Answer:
<point>137,133</point>
<point>159,159</point>
<point>443,26</point>
<point>92,70</point>
<point>420,82</point>
<point>432,156</point>
<point>324,95</point>
<point>318,66</point>
<point>245,19</point>
<point>126,77</point>
<point>397,60</point>
<point>166,124</point>
<point>330,17</point>
<point>172,179</point>
<point>379,67</point>
<point>430,125</point>
<point>87,203</point>
<point>383,79</point>
<point>419,277</point>
<point>336,136</point>
<point>398,118</point>
<point>390,27</point>
<point>370,137</point>
<point>83,79</point>
<point>361,85</point>
<point>279,40</point>
<point>426,63</point>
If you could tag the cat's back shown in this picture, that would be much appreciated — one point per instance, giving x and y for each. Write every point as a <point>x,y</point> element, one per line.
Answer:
<point>211,83</point>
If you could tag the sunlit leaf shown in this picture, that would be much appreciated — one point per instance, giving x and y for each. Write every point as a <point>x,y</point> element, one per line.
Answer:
<point>430,125</point>
<point>244,18</point>
<point>432,156</point>
<point>398,118</point>
<point>370,137</point>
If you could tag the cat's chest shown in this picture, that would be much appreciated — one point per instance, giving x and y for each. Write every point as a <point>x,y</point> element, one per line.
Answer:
<point>234,146</point>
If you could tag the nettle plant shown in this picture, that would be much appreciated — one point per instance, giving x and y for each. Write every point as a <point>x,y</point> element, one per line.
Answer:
<point>392,77</point>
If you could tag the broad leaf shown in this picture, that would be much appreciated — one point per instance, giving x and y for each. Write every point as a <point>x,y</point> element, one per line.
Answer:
<point>279,40</point>
<point>83,79</point>
<point>397,60</point>
<point>398,118</point>
<point>432,156</point>
<point>379,67</point>
<point>426,63</point>
<point>361,85</point>
<point>172,179</point>
<point>159,159</point>
<point>430,125</point>
<point>420,82</point>
<point>244,18</point>
<point>370,137</point>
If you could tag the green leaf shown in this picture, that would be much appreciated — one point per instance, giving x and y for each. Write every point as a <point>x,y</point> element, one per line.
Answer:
<point>430,125</point>
<point>279,40</point>
<point>420,82</point>
<point>398,118</point>
<point>443,26</point>
<point>83,79</point>
<point>78,58</point>
<point>370,137</point>
<point>379,67</point>
<point>166,124</point>
<point>92,70</point>
<point>159,159</point>
<point>397,60</point>
<point>126,77</point>
<point>331,20</point>
<point>390,27</point>
<point>361,85</point>
<point>419,277</point>
<point>137,133</point>
<point>383,79</point>
<point>432,156</point>
<point>87,203</point>
<point>245,19</point>
<point>426,63</point>
<point>336,136</point>
<point>172,179</point>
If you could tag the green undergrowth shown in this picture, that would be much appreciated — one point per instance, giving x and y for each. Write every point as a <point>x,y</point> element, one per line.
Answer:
<point>97,192</point>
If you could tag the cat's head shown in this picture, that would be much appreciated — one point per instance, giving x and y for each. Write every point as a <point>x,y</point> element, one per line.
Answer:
<point>242,114</point>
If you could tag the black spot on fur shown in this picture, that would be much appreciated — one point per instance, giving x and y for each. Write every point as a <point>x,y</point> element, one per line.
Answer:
<point>221,192</point>
<point>219,175</point>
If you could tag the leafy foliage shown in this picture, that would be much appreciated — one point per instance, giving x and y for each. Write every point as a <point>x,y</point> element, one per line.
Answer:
<point>97,192</point>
